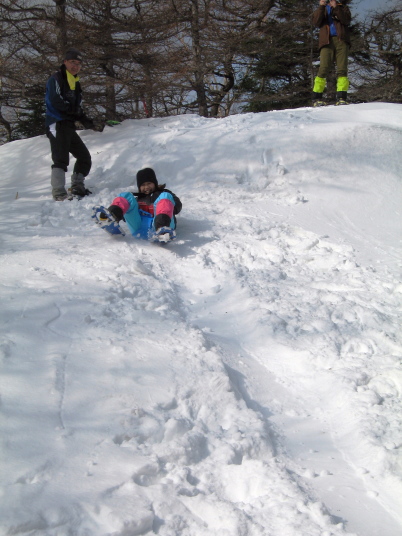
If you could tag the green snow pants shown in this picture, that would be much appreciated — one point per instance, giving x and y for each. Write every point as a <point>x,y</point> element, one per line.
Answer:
<point>337,51</point>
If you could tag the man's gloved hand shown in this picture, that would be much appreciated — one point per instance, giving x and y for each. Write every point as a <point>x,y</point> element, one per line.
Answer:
<point>89,124</point>
<point>98,126</point>
<point>86,122</point>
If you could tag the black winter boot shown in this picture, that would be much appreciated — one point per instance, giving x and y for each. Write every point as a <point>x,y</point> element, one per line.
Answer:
<point>317,99</point>
<point>341,98</point>
<point>116,212</point>
<point>161,220</point>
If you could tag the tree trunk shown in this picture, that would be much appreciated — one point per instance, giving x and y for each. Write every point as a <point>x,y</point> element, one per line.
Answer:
<point>61,27</point>
<point>199,82</point>
<point>7,127</point>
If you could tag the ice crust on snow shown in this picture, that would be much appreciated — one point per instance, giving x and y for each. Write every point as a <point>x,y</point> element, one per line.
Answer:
<point>244,380</point>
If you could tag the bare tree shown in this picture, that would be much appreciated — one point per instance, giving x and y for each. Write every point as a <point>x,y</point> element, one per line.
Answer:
<point>26,45</point>
<point>61,27</point>
<point>127,54</point>
<point>210,33</point>
<point>380,77</point>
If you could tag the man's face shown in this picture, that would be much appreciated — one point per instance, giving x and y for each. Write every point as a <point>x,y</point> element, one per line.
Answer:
<point>147,188</point>
<point>73,66</point>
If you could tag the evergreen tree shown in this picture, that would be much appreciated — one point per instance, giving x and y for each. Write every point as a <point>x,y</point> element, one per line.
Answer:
<point>282,59</point>
<point>31,120</point>
<point>284,62</point>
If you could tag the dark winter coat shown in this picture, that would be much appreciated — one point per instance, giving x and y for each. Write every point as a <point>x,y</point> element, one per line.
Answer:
<point>62,102</point>
<point>146,202</point>
<point>342,17</point>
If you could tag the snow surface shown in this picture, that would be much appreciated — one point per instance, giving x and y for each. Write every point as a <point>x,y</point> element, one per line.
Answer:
<point>244,380</point>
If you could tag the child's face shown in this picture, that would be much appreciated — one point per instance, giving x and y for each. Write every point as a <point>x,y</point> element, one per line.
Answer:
<point>147,188</point>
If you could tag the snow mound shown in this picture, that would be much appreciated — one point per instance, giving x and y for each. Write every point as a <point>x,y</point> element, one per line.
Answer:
<point>244,380</point>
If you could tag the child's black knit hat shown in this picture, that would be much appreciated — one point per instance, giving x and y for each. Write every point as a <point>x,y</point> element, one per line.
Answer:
<point>146,175</point>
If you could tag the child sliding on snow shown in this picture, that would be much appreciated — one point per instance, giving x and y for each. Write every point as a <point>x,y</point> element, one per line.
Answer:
<point>150,211</point>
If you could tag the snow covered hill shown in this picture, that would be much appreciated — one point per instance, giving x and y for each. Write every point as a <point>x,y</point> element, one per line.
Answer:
<point>244,380</point>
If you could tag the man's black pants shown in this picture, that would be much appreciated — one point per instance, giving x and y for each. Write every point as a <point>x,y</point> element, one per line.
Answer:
<point>64,141</point>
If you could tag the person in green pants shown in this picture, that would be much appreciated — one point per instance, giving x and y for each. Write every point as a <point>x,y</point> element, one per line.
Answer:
<point>333,18</point>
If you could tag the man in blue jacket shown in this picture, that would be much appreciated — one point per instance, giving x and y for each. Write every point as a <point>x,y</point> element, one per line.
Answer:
<point>63,108</point>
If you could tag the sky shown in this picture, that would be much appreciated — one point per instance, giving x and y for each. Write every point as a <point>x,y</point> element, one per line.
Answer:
<point>242,380</point>
<point>362,8</point>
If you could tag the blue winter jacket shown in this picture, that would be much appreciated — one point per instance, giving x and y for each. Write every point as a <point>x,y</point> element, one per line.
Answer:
<point>62,103</point>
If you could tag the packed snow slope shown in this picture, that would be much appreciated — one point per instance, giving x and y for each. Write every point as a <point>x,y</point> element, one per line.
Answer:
<point>244,380</point>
